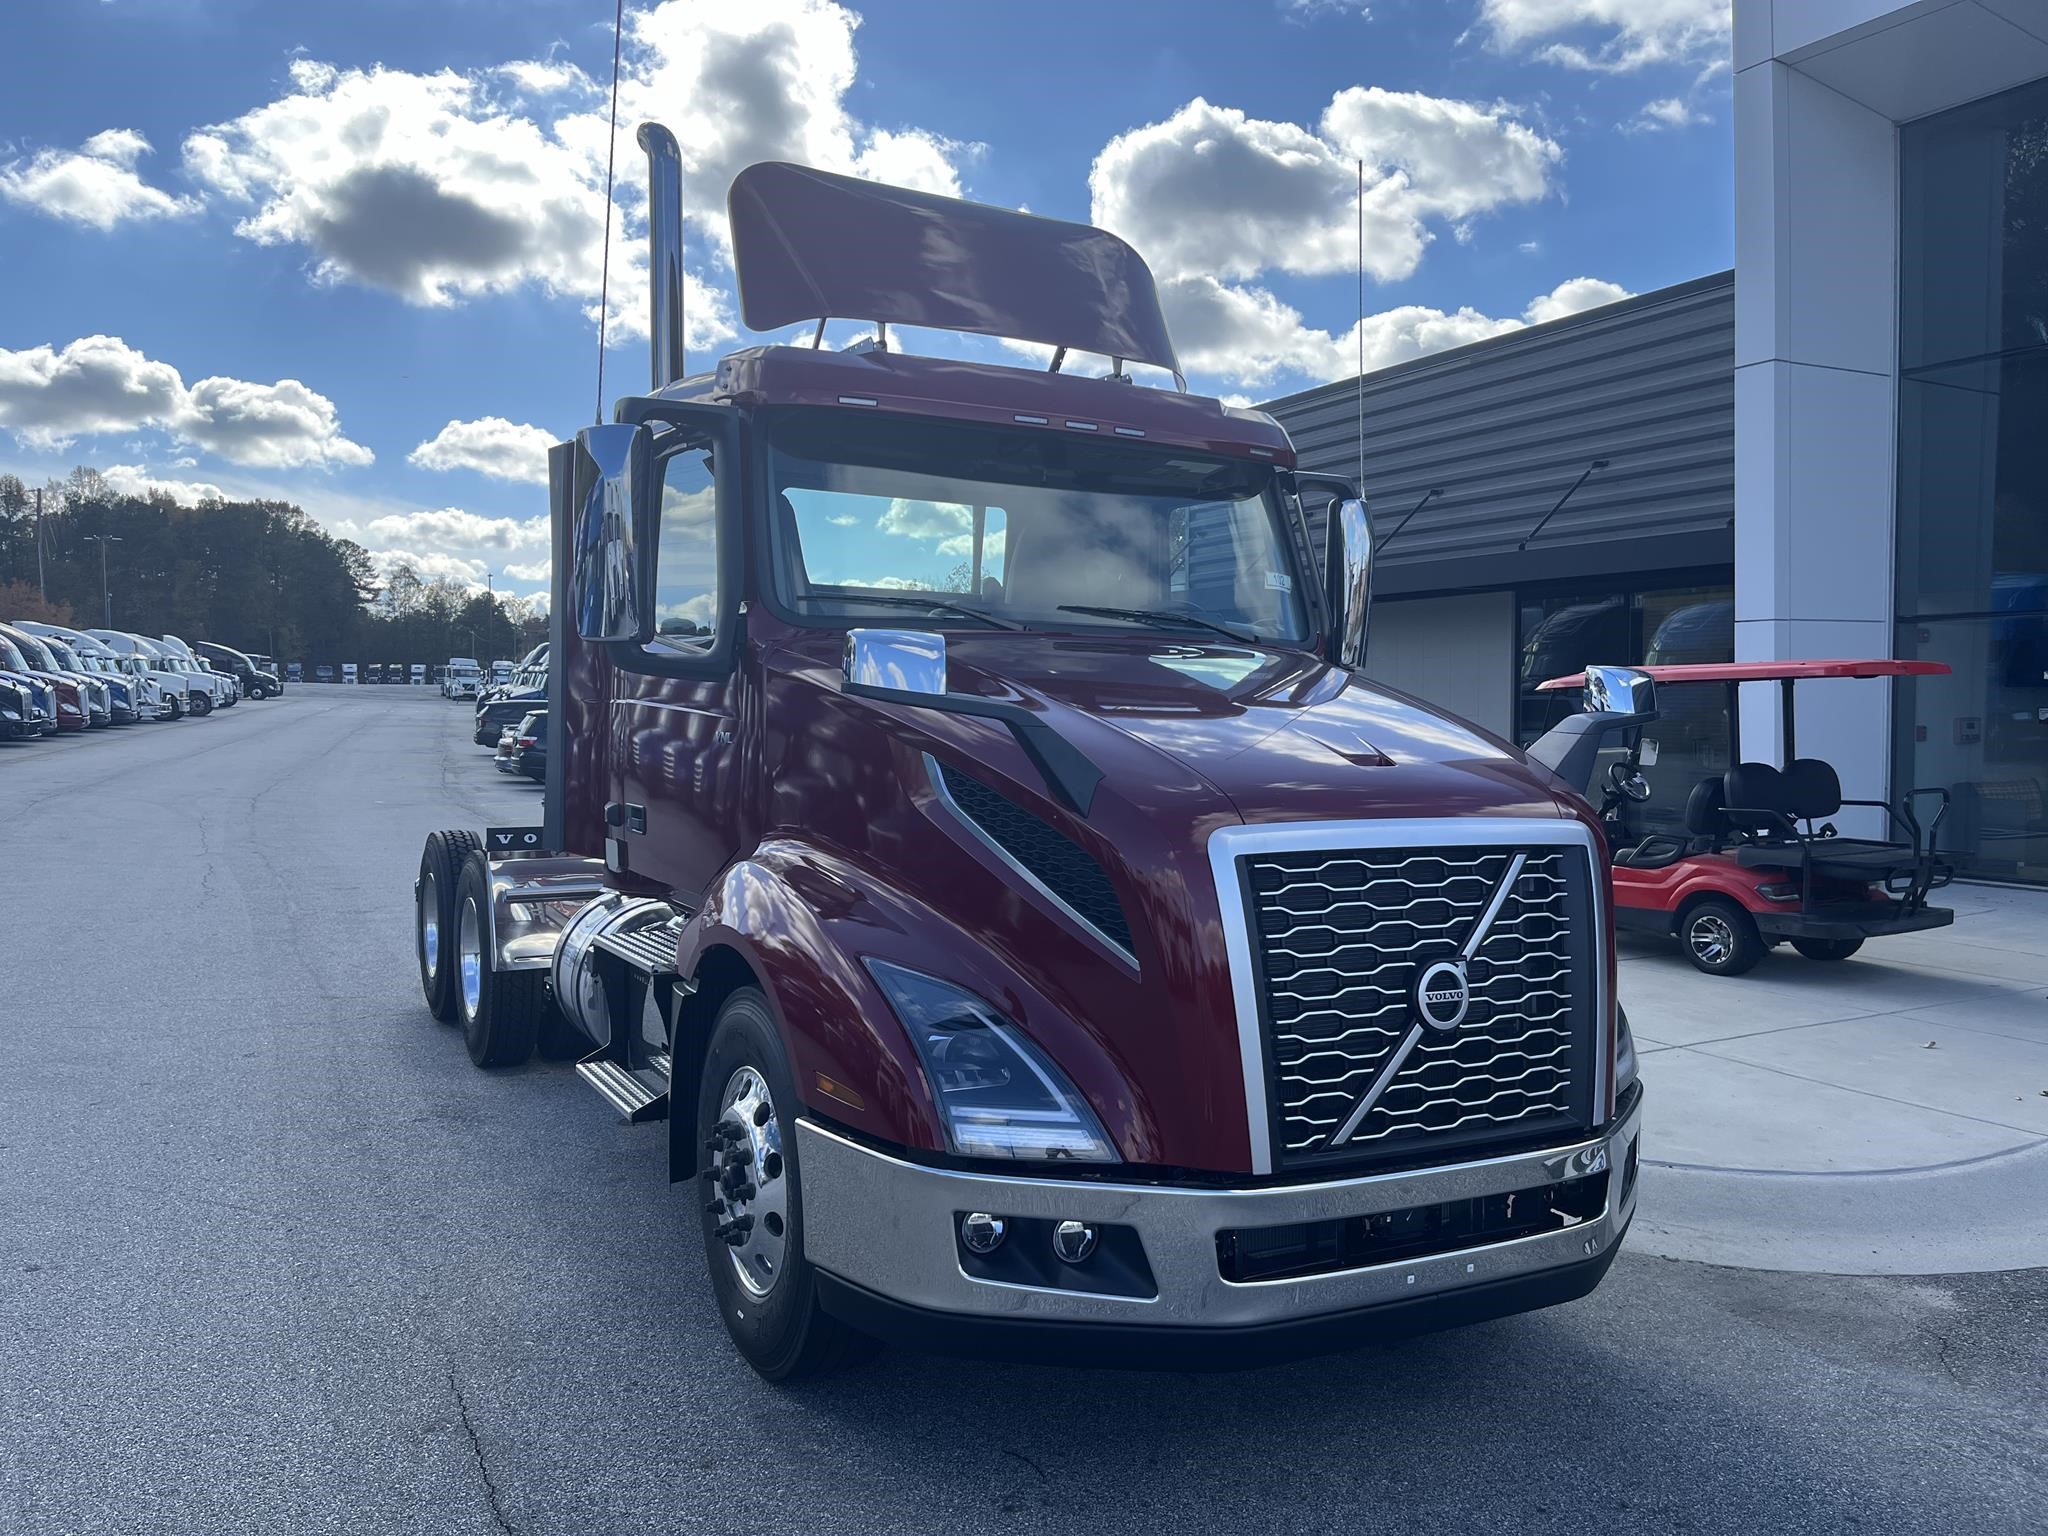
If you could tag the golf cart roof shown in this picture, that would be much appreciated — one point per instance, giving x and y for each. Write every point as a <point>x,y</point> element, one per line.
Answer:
<point>1764,672</point>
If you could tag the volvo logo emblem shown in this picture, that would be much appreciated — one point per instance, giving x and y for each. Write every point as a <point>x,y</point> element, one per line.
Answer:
<point>1442,995</point>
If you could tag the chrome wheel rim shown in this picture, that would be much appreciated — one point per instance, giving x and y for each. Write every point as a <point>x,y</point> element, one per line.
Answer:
<point>1713,940</point>
<point>430,926</point>
<point>470,954</point>
<point>749,1195</point>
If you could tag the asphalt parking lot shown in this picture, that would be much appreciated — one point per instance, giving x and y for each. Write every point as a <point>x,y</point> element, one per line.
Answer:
<point>274,1257</point>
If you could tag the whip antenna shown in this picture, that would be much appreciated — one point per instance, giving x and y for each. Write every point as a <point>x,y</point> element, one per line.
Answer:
<point>604,277</point>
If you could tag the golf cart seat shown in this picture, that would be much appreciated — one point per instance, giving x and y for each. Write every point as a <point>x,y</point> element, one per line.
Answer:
<point>1766,804</point>
<point>1706,828</point>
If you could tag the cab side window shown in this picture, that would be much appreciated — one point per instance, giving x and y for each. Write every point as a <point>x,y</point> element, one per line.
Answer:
<point>686,596</point>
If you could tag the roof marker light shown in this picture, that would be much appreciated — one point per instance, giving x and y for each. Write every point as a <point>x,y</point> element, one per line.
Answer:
<point>1084,426</point>
<point>1130,431</point>
<point>1033,421</point>
<point>857,400</point>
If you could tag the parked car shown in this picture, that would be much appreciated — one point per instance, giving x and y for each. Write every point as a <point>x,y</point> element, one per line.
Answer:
<point>505,707</point>
<point>256,682</point>
<point>99,711</point>
<point>129,698</point>
<point>186,697</point>
<point>524,747</point>
<point>68,698</point>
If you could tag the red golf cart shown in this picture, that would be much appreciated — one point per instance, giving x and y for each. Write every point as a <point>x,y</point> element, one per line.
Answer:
<point>1756,861</point>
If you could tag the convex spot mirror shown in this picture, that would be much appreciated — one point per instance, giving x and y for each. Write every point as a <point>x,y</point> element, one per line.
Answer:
<point>612,490</point>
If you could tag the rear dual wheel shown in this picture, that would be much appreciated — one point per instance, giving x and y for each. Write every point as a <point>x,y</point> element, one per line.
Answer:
<point>434,897</point>
<point>501,1011</point>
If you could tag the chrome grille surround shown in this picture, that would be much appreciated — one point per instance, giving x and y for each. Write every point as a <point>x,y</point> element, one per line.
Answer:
<point>1322,960</point>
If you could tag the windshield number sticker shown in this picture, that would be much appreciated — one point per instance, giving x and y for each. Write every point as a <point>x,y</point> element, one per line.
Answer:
<point>1279,581</point>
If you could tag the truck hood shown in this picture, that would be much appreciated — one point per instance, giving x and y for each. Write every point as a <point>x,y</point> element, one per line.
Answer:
<point>1281,735</point>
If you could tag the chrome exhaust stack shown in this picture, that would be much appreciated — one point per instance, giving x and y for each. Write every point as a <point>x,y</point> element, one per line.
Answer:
<point>664,251</point>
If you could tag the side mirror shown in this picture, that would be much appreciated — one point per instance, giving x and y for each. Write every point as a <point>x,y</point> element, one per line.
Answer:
<point>1347,577</point>
<point>612,486</point>
<point>1619,691</point>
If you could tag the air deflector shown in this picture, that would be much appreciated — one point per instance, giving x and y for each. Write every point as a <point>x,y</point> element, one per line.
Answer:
<point>810,245</point>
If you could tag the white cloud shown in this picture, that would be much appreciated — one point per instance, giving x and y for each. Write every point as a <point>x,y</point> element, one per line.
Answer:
<point>1666,112</point>
<point>1304,11</point>
<point>490,445</point>
<point>940,521</point>
<point>1213,192</point>
<point>101,384</point>
<point>443,187</point>
<point>442,529</point>
<point>134,480</point>
<point>547,77</point>
<point>1611,35</point>
<point>1572,297</point>
<point>95,184</point>
<point>1460,158</point>
<point>535,570</point>
<point>432,565</point>
<point>1248,334</point>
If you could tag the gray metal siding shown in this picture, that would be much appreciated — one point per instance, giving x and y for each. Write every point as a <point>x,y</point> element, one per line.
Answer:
<point>1505,426</point>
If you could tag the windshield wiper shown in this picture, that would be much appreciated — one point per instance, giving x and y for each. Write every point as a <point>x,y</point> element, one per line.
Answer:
<point>1163,618</point>
<point>891,600</point>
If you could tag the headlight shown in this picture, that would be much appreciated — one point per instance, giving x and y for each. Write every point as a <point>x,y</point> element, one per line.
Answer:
<point>1624,1052</point>
<point>999,1095</point>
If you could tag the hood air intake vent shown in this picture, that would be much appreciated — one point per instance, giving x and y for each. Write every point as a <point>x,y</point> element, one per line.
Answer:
<point>1052,861</point>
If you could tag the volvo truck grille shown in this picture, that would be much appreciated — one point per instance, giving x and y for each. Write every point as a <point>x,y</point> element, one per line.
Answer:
<point>1416,998</point>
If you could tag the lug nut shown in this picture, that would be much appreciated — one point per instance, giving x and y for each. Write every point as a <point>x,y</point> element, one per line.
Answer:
<point>981,1232</point>
<point>1073,1241</point>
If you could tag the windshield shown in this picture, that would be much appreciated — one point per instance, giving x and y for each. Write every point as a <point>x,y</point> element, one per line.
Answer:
<point>38,659</point>
<point>67,659</point>
<point>1024,526</point>
<point>11,660</point>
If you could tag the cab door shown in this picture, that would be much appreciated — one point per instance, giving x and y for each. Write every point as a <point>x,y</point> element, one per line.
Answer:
<point>677,809</point>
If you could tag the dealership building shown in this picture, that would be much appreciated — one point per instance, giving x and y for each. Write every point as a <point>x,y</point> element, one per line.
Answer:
<point>1840,449</point>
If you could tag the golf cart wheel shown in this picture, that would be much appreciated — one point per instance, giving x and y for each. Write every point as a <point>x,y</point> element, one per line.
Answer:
<point>433,928</point>
<point>1828,949</point>
<point>1719,937</point>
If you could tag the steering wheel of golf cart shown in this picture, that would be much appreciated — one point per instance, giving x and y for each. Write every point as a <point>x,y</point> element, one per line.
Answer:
<point>1626,780</point>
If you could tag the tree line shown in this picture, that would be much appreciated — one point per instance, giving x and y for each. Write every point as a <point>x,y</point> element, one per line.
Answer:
<point>256,575</point>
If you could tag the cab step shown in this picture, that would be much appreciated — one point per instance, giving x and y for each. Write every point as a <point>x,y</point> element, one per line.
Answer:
<point>637,1096</point>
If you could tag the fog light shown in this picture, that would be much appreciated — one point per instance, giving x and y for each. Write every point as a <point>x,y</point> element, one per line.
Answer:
<point>1073,1241</point>
<point>981,1232</point>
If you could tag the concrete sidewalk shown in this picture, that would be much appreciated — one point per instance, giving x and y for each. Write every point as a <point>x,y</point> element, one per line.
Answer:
<point>1883,1115</point>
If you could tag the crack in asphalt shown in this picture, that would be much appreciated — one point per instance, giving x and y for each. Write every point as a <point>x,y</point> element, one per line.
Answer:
<point>476,1451</point>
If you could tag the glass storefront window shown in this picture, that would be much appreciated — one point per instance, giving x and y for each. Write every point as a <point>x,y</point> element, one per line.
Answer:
<point>1973,476</point>
<point>1564,633</point>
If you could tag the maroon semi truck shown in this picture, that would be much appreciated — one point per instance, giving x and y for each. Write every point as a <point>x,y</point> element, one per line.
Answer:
<point>969,831</point>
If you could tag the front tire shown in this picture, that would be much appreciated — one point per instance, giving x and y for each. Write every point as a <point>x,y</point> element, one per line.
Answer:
<point>1828,949</point>
<point>1718,937</point>
<point>433,928</point>
<point>500,1010</point>
<point>752,1211</point>
<point>199,704</point>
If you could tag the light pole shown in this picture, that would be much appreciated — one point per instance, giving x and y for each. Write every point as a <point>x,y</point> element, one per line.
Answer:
<point>106,591</point>
<point>42,586</point>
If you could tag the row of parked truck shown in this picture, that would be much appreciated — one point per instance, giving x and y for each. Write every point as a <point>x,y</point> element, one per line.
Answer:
<point>54,678</point>
<point>461,677</point>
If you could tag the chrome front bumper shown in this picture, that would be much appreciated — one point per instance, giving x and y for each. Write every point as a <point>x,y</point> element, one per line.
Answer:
<point>887,1227</point>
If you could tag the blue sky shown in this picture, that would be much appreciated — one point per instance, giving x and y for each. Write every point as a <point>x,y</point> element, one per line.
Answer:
<point>355,225</point>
